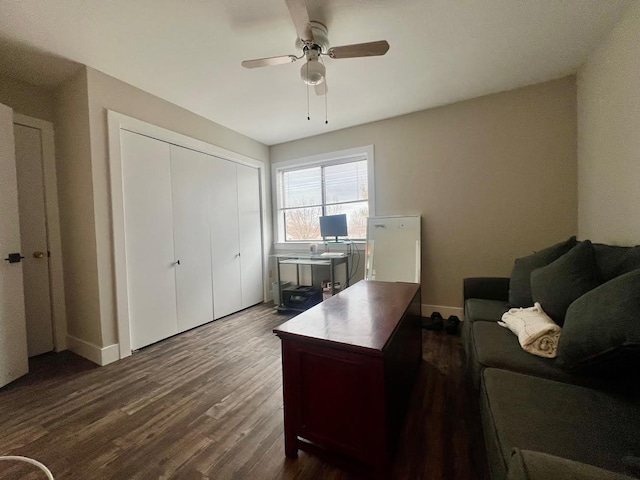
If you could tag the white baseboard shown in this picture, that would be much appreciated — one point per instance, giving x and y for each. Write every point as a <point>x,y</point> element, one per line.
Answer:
<point>98,355</point>
<point>445,311</point>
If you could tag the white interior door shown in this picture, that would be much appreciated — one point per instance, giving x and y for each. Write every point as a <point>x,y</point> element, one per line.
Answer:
<point>191,191</point>
<point>225,244</point>
<point>33,234</point>
<point>250,235</point>
<point>149,246</point>
<point>13,334</point>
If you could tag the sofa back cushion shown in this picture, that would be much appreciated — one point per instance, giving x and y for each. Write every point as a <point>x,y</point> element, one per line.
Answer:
<point>558,284</point>
<point>520,283</point>
<point>614,261</point>
<point>602,329</point>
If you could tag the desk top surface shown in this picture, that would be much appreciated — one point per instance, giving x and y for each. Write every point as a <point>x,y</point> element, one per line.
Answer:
<point>363,316</point>
<point>311,256</point>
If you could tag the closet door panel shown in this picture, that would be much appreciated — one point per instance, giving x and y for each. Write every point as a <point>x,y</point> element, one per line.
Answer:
<point>191,190</point>
<point>227,295</point>
<point>250,235</point>
<point>148,239</point>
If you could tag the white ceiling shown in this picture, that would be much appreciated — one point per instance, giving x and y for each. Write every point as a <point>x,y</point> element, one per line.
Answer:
<point>189,52</point>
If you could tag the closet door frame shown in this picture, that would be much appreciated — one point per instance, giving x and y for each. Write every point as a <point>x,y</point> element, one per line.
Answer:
<point>116,123</point>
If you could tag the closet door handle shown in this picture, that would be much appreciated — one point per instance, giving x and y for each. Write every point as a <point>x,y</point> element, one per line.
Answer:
<point>177,262</point>
<point>238,255</point>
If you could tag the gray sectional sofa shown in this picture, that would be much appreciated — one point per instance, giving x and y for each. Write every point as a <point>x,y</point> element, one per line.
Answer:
<point>576,416</point>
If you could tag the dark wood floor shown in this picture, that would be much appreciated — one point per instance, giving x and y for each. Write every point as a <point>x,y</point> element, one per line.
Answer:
<point>207,404</point>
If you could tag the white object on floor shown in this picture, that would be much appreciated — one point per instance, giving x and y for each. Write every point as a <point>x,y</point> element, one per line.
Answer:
<point>536,332</point>
<point>32,462</point>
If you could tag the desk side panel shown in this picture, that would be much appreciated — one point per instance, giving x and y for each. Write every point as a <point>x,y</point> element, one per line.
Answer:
<point>402,358</point>
<point>334,399</point>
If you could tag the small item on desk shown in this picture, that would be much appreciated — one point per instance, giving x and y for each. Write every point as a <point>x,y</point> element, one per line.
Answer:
<point>326,290</point>
<point>313,248</point>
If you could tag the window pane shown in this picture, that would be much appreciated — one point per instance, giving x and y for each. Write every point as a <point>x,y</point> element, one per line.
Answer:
<point>357,214</point>
<point>302,187</point>
<point>302,224</point>
<point>346,182</point>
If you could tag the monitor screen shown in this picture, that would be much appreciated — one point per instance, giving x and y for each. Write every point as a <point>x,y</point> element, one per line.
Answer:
<point>333,226</point>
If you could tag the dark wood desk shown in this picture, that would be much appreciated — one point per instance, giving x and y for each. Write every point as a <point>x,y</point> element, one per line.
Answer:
<point>348,369</point>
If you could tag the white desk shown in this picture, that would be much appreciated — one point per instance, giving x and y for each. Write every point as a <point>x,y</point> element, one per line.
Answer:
<point>296,258</point>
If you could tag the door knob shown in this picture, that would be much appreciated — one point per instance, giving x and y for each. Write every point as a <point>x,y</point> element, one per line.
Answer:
<point>38,254</point>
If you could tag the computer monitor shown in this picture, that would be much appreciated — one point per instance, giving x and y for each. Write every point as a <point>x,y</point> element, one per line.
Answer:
<point>333,226</point>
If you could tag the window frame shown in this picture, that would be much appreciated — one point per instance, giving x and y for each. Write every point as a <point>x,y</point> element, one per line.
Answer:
<point>320,160</point>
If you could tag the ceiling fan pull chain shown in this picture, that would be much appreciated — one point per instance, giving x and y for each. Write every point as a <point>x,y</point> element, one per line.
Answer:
<point>308,114</point>
<point>326,111</point>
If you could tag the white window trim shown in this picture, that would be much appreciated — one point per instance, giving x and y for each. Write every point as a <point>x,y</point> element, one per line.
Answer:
<point>329,158</point>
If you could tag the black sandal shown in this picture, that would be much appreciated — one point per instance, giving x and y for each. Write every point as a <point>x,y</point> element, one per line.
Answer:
<point>451,326</point>
<point>435,322</point>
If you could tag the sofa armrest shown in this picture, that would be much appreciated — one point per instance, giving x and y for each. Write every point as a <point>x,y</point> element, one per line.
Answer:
<point>488,288</point>
<point>529,465</point>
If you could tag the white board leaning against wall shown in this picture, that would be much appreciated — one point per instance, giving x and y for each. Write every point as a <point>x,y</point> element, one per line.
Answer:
<point>393,249</point>
<point>183,255</point>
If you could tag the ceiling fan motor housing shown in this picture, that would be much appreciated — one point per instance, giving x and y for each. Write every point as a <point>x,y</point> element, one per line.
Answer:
<point>320,37</point>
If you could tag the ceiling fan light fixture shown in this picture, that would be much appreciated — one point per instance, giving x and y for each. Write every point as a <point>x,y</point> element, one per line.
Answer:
<point>312,72</point>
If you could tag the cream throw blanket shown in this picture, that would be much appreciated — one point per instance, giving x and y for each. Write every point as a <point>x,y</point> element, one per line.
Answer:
<point>536,332</point>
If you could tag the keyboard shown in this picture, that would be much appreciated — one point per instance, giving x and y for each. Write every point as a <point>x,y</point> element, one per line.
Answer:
<point>332,254</point>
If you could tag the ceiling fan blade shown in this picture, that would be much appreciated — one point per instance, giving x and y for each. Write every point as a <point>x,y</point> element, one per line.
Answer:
<point>370,49</point>
<point>321,88</point>
<point>265,62</point>
<point>300,17</point>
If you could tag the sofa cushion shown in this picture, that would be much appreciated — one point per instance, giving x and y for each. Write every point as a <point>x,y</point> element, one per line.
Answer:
<point>528,465</point>
<point>558,284</point>
<point>577,423</point>
<point>614,261</point>
<point>497,347</point>
<point>602,328</point>
<point>520,284</point>
<point>476,309</point>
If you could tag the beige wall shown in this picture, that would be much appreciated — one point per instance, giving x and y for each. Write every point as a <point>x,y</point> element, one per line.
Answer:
<point>107,93</point>
<point>27,99</point>
<point>75,196</point>
<point>493,178</point>
<point>609,137</point>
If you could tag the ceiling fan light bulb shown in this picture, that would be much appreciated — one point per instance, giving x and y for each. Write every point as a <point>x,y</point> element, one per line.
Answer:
<point>312,72</point>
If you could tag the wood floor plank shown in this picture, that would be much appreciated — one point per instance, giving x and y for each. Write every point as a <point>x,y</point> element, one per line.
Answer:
<point>207,404</point>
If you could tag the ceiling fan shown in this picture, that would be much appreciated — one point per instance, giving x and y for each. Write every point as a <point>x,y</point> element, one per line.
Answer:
<point>314,42</point>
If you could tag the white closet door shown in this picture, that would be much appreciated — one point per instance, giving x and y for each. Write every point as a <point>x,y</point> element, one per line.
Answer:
<point>191,190</point>
<point>146,165</point>
<point>227,294</point>
<point>250,235</point>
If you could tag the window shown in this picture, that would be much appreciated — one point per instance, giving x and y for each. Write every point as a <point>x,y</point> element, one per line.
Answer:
<point>333,185</point>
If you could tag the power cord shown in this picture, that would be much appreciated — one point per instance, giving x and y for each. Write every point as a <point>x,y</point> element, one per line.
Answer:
<point>32,462</point>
